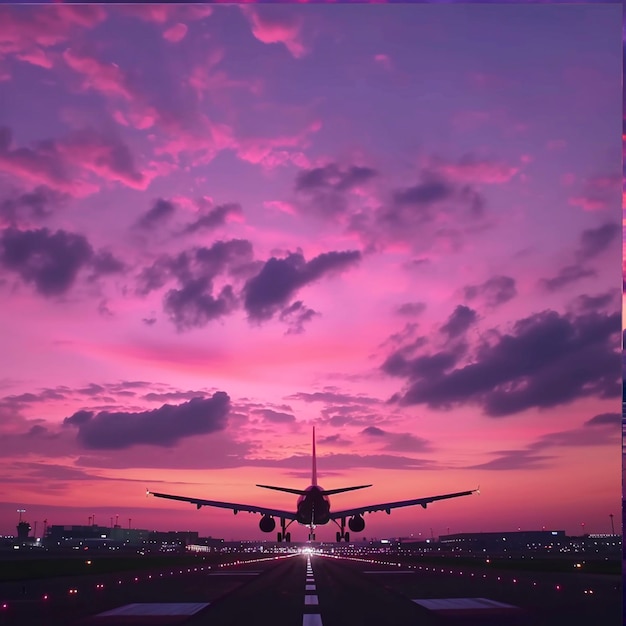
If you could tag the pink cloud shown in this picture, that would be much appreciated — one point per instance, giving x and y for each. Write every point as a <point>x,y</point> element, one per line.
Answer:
<point>105,156</point>
<point>109,80</point>
<point>22,31</point>
<point>106,78</point>
<point>271,152</point>
<point>470,169</point>
<point>200,141</point>
<point>284,28</point>
<point>599,193</point>
<point>40,165</point>
<point>384,61</point>
<point>161,13</point>
<point>176,33</point>
<point>279,205</point>
<point>36,56</point>
<point>205,80</point>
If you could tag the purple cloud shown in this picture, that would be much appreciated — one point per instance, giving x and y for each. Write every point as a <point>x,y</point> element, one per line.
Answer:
<point>160,427</point>
<point>279,279</point>
<point>495,291</point>
<point>546,360</point>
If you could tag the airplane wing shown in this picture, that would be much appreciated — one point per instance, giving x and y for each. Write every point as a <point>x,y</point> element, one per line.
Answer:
<point>395,505</point>
<point>250,508</point>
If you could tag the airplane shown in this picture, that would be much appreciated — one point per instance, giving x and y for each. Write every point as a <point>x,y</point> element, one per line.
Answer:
<point>313,507</point>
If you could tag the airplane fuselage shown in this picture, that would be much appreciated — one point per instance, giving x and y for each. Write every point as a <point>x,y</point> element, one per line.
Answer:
<point>313,507</point>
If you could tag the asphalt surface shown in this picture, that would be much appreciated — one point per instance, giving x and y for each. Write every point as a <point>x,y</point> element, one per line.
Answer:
<point>319,590</point>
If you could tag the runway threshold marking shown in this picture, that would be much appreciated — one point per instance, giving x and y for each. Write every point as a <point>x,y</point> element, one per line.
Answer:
<point>155,609</point>
<point>444,605</point>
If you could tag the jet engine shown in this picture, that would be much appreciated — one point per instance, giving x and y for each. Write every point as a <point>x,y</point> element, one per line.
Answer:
<point>267,524</point>
<point>356,523</point>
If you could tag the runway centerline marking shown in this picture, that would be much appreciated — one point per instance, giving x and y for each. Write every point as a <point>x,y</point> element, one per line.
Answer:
<point>311,599</point>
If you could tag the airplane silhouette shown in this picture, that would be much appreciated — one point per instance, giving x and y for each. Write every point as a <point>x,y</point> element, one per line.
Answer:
<point>313,507</point>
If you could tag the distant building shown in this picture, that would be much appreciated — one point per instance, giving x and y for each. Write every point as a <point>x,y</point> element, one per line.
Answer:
<point>118,537</point>
<point>23,529</point>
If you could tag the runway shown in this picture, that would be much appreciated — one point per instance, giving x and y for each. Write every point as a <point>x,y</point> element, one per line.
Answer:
<point>316,590</point>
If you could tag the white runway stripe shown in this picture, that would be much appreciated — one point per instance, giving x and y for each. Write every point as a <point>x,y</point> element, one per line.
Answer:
<point>312,619</point>
<point>310,600</point>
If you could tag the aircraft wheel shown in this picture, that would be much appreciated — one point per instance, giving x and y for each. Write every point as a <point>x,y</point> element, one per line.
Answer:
<point>338,536</point>
<point>287,537</point>
<point>313,536</point>
<point>347,536</point>
<point>279,537</point>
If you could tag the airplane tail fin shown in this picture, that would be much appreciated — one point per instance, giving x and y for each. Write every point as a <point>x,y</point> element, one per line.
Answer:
<point>314,466</point>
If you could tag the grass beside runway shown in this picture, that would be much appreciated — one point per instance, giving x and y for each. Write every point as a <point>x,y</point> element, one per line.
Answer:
<point>53,566</point>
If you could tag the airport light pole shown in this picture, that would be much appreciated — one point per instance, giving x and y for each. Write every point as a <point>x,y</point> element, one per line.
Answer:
<point>612,526</point>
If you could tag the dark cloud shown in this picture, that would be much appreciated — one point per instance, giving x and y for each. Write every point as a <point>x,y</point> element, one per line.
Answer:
<point>196,264</point>
<point>411,308</point>
<point>547,360</point>
<point>194,306</point>
<point>103,262</point>
<point>158,214</point>
<point>589,304</point>
<point>214,218</point>
<point>37,204</point>
<point>336,440</point>
<point>275,417</point>
<point>515,460</point>
<point>295,316</point>
<point>92,389</point>
<point>173,395</point>
<point>414,215</point>
<point>332,462</point>
<point>50,261</point>
<point>425,366</point>
<point>604,419</point>
<point>327,189</point>
<point>279,279</point>
<point>601,430</point>
<point>332,177</point>
<point>495,291</point>
<point>373,431</point>
<point>567,275</point>
<point>161,427</point>
<point>332,397</point>
<point>593,241</point>
<point>423,194</point>
<point>460,320</point>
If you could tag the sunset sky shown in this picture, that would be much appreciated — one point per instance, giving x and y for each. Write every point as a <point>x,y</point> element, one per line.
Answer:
<point>222,225</point>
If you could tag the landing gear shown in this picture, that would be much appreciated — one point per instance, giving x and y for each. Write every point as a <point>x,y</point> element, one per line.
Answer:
<point>342,534</point>
<point>311,536</point>
<point>284,535</point>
